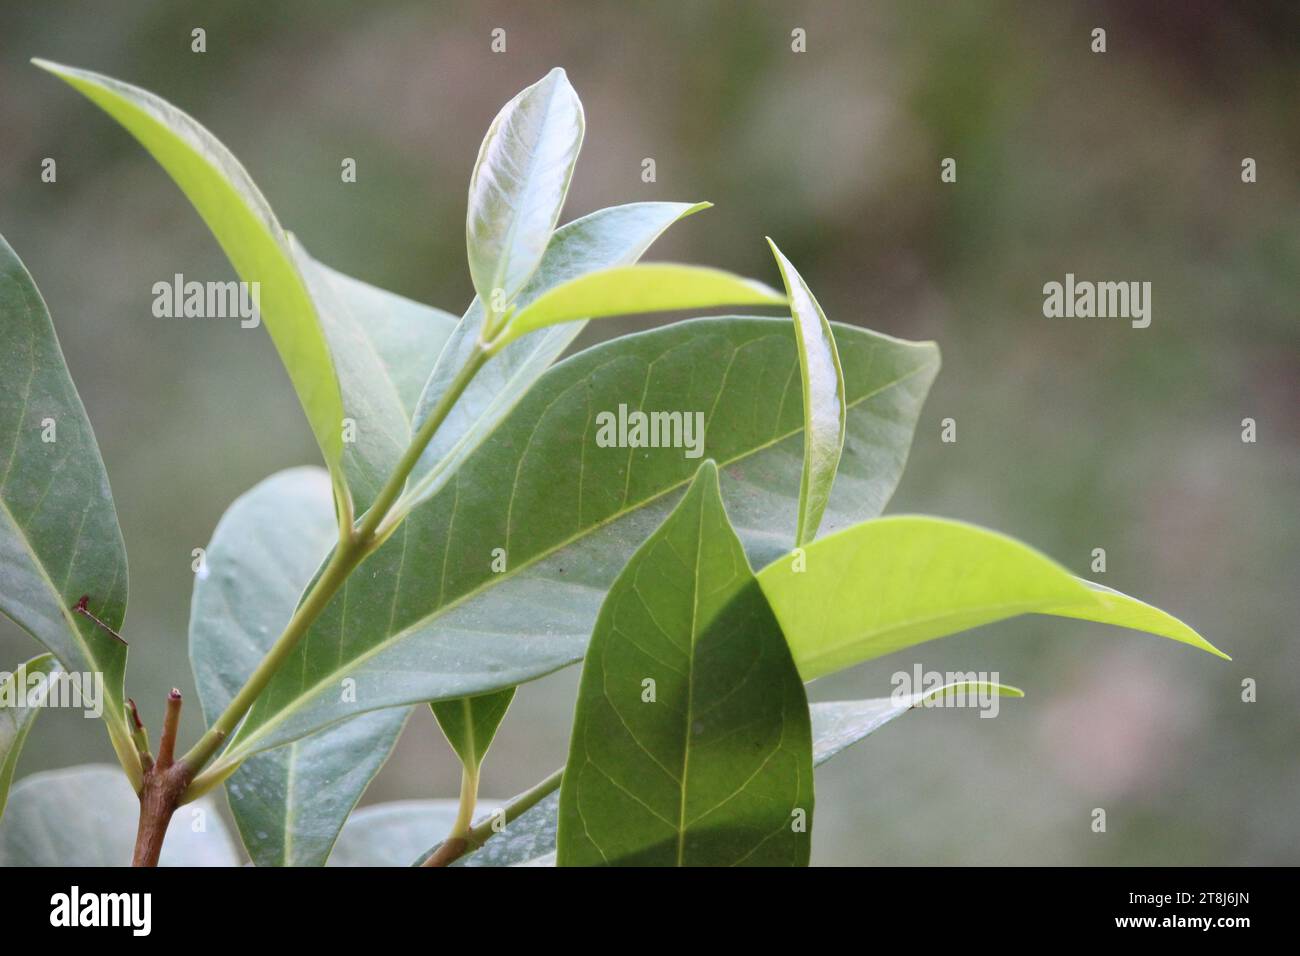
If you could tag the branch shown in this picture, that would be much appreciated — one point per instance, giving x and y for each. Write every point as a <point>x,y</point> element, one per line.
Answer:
<point>160,792</point>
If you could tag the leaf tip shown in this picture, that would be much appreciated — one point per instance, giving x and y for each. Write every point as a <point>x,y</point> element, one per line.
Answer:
<point>781,260</point>
<point>65,73</point>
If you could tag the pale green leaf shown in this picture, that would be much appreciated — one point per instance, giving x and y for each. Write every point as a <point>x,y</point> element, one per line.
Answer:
<point>242,222</point>
<point>427,618</point>
<point>691,743</point>
<point>518,186</point>
<point>615,236</point>
<point>471,722</point>
<point>838,725</point>
<point>288,803</point>
<point>891,583</point>
<point>59,538</point>
<point>22,694</point>
<point>86,817</point>
<point>823,400</point>
<point>630,290</point>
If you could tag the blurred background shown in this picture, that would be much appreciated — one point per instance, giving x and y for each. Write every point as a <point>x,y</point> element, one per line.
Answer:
<point>1073,434</point>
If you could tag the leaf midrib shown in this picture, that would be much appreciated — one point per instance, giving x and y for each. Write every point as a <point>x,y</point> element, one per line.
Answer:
<point>690,682</point>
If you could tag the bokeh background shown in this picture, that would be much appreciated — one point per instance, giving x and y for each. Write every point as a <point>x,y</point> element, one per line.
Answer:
<point>1072,434</point>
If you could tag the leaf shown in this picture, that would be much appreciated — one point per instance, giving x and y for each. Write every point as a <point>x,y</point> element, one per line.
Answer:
<point>891,583</point>
<point>714,768</point>
<point>391,834</point>
<point>519,183</point>
<point>384,348</point>
<point>21,700</point>
<point>50,822</point>
<point>838,725</point>
<point>609,237</point>
<point>59,538</point>
<point>288,803</point>
<point>1108,606</point>
<point>471,722</point>
<point>629,290</point>
<point>242,222</point>
<point>427,617</point>
<point>530,839</point>
<point>823,400</point>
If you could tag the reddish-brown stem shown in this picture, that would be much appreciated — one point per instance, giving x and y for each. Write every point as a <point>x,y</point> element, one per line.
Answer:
<point>171,722</point>
<point>160,793</point>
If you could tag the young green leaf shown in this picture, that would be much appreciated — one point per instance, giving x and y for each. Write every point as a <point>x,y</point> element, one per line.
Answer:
<point>242,222</point>
<point>20,702</point>
<point>630,290</point>
<point>59,538</point>
<point>691,743</point>
<point>51,822</point>
<point>838,725</point>
<point>530,839</point>
<point>518,187</point>
<point>498,578</point>
<point>288,803</point>
<point>890,583</point>
<point>471,722</point>
<point>614,236</point>
<point>389,834</point>
<point>823,400</point>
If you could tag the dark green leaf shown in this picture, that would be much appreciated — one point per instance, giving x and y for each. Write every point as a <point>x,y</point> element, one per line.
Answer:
<point>59,539</point>
<point>691,743</point>
<point>471,722</point>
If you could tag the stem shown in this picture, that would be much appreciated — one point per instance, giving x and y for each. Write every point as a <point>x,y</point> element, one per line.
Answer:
<point>161,789</point>
<point>171,722</point>
<point>341,564</point>
<point>411,457</point>
<point>351,551</point>
<point>454,848</point>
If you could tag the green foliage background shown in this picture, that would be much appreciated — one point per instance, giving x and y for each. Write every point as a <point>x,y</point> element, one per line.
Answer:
<point>1072,434</point>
